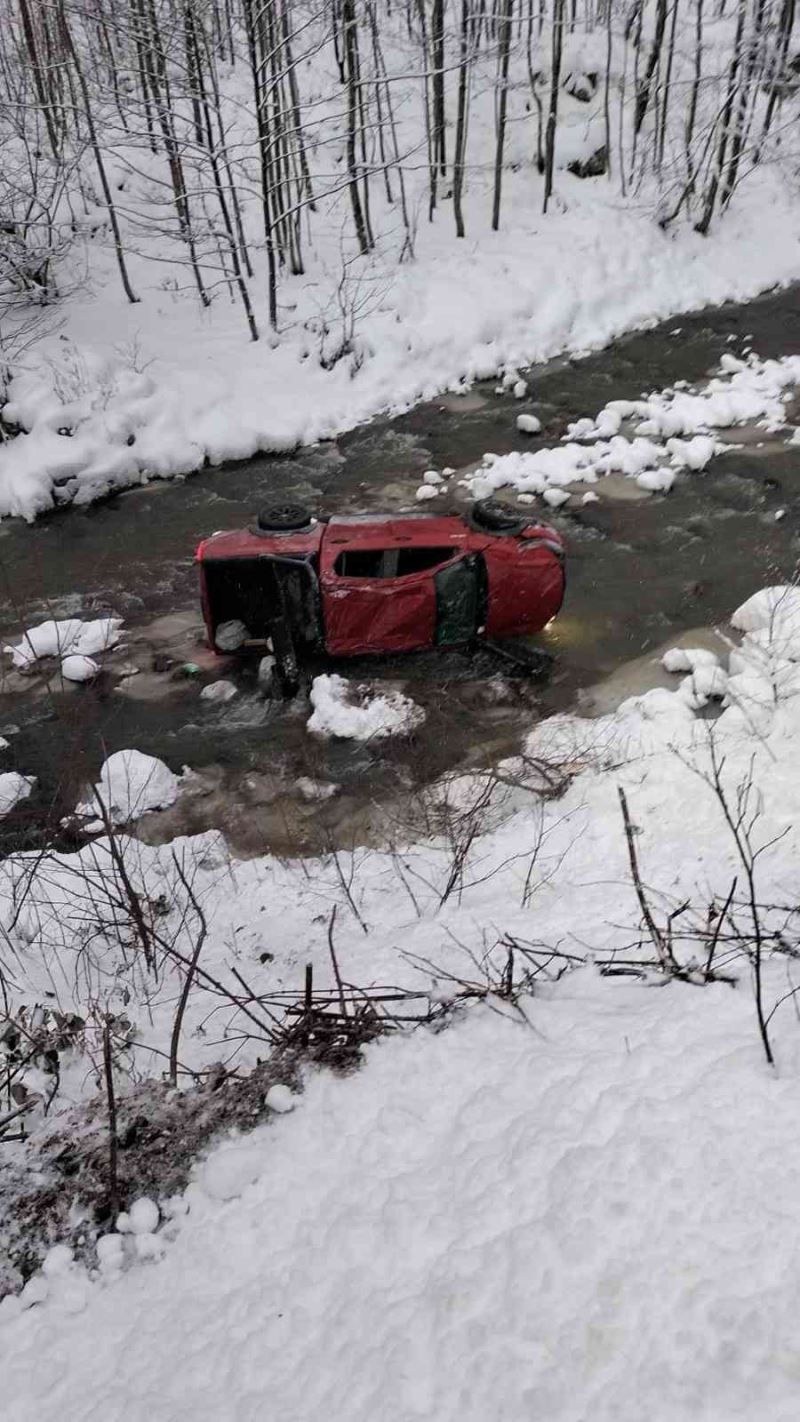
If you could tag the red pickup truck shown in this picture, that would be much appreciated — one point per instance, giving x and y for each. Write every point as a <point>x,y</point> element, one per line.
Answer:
<point>378,583</point>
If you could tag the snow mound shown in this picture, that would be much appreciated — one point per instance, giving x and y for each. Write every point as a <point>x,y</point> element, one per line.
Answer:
<point>656,481</point>
<point>130,784</point>
<point>230,1169</point>
<point>373,717</point>
<point>76,667</point>
<point>13,788</point>
<point>70,637</point>
<point>694,453</point>
<point>280,1099</point>
<point>490,1183</point>
<point>770,609</point>
<point>671,433</point>
<point>706,683</point>
<point>144,1216</point>
<point>688,659</point>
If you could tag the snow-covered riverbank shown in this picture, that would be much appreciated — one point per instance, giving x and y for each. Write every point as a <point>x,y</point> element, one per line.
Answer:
<point>608,1132</point>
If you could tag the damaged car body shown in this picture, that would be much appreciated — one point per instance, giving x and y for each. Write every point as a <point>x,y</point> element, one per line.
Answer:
<point>361,584</point>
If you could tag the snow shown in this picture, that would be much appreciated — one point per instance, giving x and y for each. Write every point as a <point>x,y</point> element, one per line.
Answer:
<point>706,683</point>
<point>656,481</point>
<point>57,1261</point>
<point>130,784</point>
<point>144,1216</point>
<point>229,1171</point>
<point>556,497</point>
<point>13,788</point>
<point>745,391</point>
<point>110,1253</point>
<point>426,491</point>
<point>693,453</point>
<point>372,717</point>
<point>581,1204</point>
<point>774,610</point>
<point>509,1188</point>
<point>528,424</point>
<point>280,1099</point>
<point>79,668</point>
<point>71,637</point>
<point>688,659</point>
<point>157,389</point>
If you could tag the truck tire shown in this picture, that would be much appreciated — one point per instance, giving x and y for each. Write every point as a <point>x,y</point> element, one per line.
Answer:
<point>283,518</point>
<point>496,517</point>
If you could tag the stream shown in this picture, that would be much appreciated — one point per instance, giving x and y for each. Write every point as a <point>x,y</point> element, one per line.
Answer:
<point>643,571</point>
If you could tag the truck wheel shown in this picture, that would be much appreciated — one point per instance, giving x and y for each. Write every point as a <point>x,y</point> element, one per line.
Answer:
<point>283,518</point>
<point>496,517</point>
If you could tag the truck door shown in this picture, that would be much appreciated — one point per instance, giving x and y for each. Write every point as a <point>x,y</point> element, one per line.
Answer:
<point>379,598</point>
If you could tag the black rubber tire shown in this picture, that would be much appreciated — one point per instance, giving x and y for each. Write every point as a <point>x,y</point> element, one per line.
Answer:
<point>496,517</point>
<point>283,518</point>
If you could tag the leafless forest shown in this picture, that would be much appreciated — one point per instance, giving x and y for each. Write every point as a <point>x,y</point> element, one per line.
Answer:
<point>218,137</point>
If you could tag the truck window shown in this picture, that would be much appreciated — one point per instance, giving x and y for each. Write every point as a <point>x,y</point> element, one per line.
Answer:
<point>389,562</point>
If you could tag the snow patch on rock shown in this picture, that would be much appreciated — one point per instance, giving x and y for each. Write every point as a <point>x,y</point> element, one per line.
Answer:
<point>350,712</point>
<point>13,788</point>
<point>130,784</point>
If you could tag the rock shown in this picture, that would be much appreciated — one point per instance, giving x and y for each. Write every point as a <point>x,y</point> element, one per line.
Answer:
<point>528,424</point>
<point>266,672</point>
<point>582,87</point>
<point>592,167</point>
<point>229,636</point>
<point>218,691</point>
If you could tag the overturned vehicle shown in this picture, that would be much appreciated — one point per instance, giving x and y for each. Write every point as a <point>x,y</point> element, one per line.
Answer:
<point>363,584</point>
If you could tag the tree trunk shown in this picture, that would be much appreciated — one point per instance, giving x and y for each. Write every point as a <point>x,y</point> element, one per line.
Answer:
<point>98,157</point>
<point>552,114</point>
<point>733,74</point>
<point>644,87</point>
<point>462,117</point>
<point>262,123</point>
<point>506,18</point>
<point>351,71</point>
<point>437,42</point>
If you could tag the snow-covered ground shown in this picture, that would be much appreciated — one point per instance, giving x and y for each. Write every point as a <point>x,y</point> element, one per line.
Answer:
<point>117,393</point>
<point>586,1211</point>
<point>511,298</point>
<point>576,1203</point>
